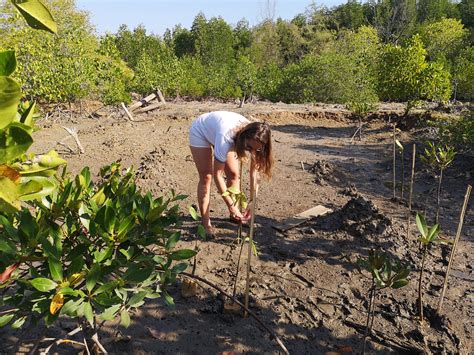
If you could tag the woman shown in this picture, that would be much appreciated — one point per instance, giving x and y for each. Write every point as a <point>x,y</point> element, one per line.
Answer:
<point>218,141</point>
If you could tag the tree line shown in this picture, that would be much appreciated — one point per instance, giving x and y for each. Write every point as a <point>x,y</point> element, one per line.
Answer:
<point>378,50</point>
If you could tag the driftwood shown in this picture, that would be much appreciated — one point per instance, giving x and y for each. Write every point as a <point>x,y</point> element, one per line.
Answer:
<point>160,96</point>
<point>142,102</point>
<point>73,133</point>
<point>149,107</point>
<point>127,112</point>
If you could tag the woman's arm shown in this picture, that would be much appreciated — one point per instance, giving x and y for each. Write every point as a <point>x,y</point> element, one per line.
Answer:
<point>219,179</point>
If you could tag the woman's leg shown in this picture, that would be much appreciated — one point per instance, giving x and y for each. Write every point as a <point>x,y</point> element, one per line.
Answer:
<point>203,160</point>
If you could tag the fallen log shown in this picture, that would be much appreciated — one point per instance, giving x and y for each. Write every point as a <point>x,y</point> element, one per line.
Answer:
<point>149,107</point>
<point>142,102</point>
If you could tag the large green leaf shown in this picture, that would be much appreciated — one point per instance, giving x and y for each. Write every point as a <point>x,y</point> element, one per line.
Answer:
<point>55,268</point>
<point>88,313</point>
<point>182,254</point>
<point>110,312</point>
<point>8,195</point>
<point>14,141</point>
<point>43,284</point>
<point>7,63</point>
<point>421,224</point>
<point>36,15</point>
<point>92,277</point>
<point>35,187</point>
<point>43,165</point>
<point>10,94</point>
<point>27,116</point>
<point>5,319</point>
<point>125,318</point>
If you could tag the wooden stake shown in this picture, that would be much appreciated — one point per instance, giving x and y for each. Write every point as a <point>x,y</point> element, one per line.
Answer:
<point>394,161</point>
<point>149,107</point>
<point>453,250</point>
<point>412,180</point>
<point>249,255</point>
<point>127,112</point>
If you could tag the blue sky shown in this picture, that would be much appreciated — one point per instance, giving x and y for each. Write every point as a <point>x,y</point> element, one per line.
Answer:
<point>158,15</point>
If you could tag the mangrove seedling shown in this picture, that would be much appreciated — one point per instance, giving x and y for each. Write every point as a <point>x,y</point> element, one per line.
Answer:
<point>384,274</point>
<point>427,237</point>
<point>438,158</point>
<point>240,199</point>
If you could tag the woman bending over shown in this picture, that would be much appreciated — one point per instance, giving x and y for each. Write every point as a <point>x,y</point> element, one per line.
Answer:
<point>219,141</point>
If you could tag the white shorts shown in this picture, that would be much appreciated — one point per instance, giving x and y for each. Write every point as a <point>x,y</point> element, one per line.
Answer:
<point>196,139</point>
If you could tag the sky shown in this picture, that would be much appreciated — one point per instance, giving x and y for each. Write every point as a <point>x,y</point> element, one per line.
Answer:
<point>158,15</point>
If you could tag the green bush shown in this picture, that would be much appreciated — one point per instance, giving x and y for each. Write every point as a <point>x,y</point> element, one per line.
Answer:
<point>458,132</point>
<point>328,77</point>
<point>464,74</point>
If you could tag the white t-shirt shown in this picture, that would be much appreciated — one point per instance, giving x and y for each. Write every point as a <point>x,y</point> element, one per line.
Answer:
<point>217,128</point>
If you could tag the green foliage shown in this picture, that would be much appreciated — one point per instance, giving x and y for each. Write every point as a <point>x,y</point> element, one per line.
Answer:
<point>324,78</point>
<point>113,76</point>
<point>349,15</point>
<point>435,10</point>
<point>239,199</point>
<point>438,157</point>
<point>405,75</point>
<point>394,20</point>
<point>23,176</point>
<point>458,132</point>
<point>385,273</point>
<point>62,68</point>
<point>93,251</point>
<point>464,74</point>
<point>245,74</point>
<point>192,81</point>
<point>428,236</point>
<point>268,81</point>
<point>443,39</point>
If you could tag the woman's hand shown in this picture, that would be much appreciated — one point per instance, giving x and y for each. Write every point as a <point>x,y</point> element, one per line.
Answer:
<point>235,213</point>
<point>248,212</point>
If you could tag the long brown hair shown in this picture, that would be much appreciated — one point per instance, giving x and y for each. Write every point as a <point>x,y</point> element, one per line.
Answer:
<point>261,132</point>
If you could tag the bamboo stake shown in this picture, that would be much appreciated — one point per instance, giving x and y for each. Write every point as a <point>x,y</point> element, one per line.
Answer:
<point>249,255</point>
<point>394,151</point>
<point>412,180</point>
<point>453,250</point>
<point>239,235</point>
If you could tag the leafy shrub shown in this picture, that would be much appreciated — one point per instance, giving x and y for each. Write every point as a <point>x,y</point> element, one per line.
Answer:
<point>113,76</point>
<point>458,132</point>
<point>324,78</point>
<point>92,251</point>
<point>464,74</point>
